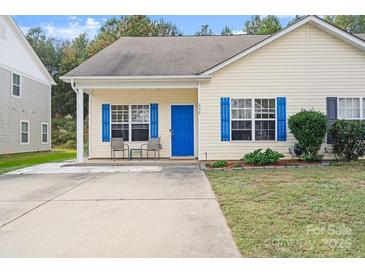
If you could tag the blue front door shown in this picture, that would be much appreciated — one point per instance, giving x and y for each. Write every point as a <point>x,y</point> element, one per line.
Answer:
<point>182,130</point>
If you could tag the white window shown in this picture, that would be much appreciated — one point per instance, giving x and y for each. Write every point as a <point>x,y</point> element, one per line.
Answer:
<point>24,132</point>
<point>140,122</point>
<point>44,133</point>
<point>253,119</point>
<point>15,87</point>
<point>120,121</point>
<point>241,123</point>
<point>349,108</point>
<point>131,122</point>
<point>264,119</point>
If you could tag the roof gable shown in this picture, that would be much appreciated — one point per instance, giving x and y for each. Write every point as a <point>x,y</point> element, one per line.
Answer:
<point>354,40</point>
<point>18,55</point>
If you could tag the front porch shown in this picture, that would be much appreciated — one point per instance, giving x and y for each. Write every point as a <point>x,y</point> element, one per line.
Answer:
<point>136,115</point>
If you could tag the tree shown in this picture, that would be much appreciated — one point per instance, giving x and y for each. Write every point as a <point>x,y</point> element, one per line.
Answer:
<point>74,53</point>
<point>262,25</point>
<point>136,25</point>
<point>204,31</point>
<point>350,23</point>
<point>227,31</point>
<point>295,19</point>
<point>46,49</point>
<point>162,28</point>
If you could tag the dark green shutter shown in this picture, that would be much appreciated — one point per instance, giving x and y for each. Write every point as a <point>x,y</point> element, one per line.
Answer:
<point>331,115</point>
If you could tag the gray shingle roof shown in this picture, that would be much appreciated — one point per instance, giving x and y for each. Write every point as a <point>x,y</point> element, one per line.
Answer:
<point>163,56</point>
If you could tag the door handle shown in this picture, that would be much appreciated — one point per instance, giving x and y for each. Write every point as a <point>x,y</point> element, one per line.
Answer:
<point>172,132</point>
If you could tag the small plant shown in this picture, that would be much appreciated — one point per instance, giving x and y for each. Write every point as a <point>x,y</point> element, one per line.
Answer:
<point>257,157</point>
<point>220,163</point>
<point>309,128</point>
<point>349,141</point>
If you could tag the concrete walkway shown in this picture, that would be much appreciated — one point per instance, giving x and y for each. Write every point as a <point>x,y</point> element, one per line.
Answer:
<point>168,213</point>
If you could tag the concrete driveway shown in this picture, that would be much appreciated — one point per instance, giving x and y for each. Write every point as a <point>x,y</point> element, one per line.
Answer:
<point>167,213</point>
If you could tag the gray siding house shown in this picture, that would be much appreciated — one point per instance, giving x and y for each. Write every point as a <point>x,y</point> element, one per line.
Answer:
<point>25,94</point>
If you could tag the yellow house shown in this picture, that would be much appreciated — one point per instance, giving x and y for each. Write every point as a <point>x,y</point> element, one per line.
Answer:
<point>218,97</point>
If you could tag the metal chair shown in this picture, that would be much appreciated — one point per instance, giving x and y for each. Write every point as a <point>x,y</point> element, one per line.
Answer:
<point>153,144</point>
<point>117,144</point>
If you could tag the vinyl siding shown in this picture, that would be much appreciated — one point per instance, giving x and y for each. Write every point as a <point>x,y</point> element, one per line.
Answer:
<point>164,98</point>
<point>306,66</point>
<point>33,106</point>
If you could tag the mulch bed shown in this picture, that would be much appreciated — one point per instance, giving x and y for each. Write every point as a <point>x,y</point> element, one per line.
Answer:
<point>287,163</point>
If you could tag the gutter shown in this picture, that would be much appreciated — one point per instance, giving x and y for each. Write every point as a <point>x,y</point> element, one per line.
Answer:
<point>71,79</point>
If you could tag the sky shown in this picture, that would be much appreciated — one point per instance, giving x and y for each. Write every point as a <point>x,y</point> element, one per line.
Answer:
<point>69,27</point>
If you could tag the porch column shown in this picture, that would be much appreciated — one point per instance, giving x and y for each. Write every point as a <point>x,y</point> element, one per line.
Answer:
<point>80,125</point>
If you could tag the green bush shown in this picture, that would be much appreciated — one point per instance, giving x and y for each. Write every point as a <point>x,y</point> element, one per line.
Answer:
<point>348,137</point>
<point>64,132</point>
<point>220,163</point>
<point>257,157</point>
<point>309,128</point>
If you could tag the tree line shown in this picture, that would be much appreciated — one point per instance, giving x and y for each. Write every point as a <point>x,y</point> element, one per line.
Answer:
<point>59,57</point>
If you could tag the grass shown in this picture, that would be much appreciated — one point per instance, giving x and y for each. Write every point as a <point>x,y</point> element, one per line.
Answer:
<point>9,162</point>
<point>307,212</point>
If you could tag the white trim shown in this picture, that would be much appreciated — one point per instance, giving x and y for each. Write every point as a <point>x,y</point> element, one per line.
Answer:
<point>349,38</point>
<point>361,106</point>
<point>139,78</point>
<point>44,143</point>
<point>253,119</point>
<point>28,140</point>
<point>130,123</point>
<point>199,152</point>
<point>183,104</point>
<point>136,84</point>
<point>89,120</point>
<point>12,85</point>
<point>24,74</point>
<point>80,125</point>
<point>28,47</point>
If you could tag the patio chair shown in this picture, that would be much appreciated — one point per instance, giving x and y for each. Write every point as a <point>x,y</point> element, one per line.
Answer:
<point>117,144</point>
<point>153,144</point>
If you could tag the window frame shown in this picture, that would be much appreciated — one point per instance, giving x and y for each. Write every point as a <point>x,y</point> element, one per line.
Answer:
<point>12,85</point>
<point>21,132</point>
<point>130,123</point>
<point>42,133</point>
<point>361,106</point>
<point>253,119</point>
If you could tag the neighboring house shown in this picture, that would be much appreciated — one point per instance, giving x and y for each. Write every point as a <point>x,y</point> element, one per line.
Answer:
<point>219,97</point>
<point>25,94</point>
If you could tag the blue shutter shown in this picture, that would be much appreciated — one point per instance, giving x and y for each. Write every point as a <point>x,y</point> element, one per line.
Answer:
<point>225,119</point>
<point>154,120</point>
<point>105,113</point>
<point>281,118</point>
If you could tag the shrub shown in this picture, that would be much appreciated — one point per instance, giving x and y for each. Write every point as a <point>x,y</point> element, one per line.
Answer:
<point>64,131</point>
<point>262,158</point>
<point>220,163</point>
<point>348,137</point>
<point>309,128</point>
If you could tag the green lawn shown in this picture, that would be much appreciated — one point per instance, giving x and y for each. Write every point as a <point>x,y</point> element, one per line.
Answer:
<point>306,212</point>
<point>9,162</point>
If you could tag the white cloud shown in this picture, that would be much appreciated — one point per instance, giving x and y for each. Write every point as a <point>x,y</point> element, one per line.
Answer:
<point>238,32</point>
<point>74,27</point>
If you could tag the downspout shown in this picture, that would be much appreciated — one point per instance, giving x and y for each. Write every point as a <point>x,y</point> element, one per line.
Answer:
<point>73,86</point>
